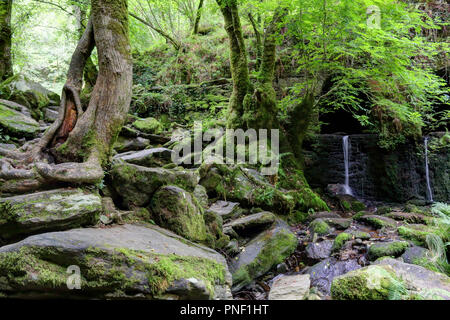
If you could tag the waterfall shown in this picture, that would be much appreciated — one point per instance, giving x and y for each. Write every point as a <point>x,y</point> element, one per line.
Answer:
<point>345,145</point>
<point>427,173</point>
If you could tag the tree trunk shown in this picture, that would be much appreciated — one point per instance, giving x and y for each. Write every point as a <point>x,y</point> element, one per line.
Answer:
<point>259,47</point>
<point>5,39</point>
<point>81,140</point>
<point>238,60</point>
<point>198,16</point>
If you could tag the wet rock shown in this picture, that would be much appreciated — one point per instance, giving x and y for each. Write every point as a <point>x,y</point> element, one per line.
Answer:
<point>225,209</point>
<point>421,282</point>
<point>129,261</point>
<point>148,158</point>
<point>323,215</point>
<point>137,184</point>
<point>319,250</point>
<point>387,249</point>
<point>17,124</point>
<point>262,254</point>
<point>252,223</point>
<point>175,209</point>
<point>59,209</point>
<point>131,144</point>
<point>323,273</point>
<point>415,253</point>
<point>294,287</point>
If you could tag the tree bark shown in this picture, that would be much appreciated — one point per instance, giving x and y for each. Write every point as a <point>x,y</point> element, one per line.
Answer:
<point>198,16</point>
<point>5,39</point>
<point>81,140</point>
<point>238,59</point>
<point>259,47</point>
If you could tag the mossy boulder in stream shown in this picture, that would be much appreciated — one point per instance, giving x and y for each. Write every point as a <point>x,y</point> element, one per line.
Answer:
<point>369,283</point>
<point>263,253</point>
<point>47,211</point>
<point>125,262</point>
<point>177,210</point>
<point>387,249</point>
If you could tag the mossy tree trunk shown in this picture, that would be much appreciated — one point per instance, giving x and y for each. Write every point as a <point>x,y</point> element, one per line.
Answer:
<point>81,140</point>
<point>198,16</point>
<point>238,60</point>
<point>5,39</point>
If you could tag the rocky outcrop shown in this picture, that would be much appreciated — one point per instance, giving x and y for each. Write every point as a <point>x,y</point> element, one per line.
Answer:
<point>126,262</point>
<point>59,209</point>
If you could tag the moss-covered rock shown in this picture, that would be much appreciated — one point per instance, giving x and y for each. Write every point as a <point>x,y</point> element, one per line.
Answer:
<point>252,223</point>
<point>214,231</point>
<point>47,211</point>
<point>128,261</point>
<point>320,227</point>
<point>177,210</point>
<point>262,254</point>
<point>388,249</point>
<point>22,90</point>
<point>369,283</point>
<point>148,125</point>
<point>377,221</point>
<point>341,240</point>
<point>136,184</point>
<point>17,124</point>
<point>418,233</point>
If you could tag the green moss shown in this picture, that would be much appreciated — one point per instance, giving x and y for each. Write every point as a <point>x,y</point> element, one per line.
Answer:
<point>275,251</point>
<point>340,240</point>
<point>390,249</point>
<point>148,125</point>
<point>319,226</point>
<point>357,206</point>
<point>418,233</point>
<point>370,283</point>
<point>105,271</point>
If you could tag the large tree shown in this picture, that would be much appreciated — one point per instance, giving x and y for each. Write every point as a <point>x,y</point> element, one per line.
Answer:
<point>5,39</point>
<point>78,144</point>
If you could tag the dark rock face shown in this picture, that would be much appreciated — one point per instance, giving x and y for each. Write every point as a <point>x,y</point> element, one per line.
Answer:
<point>375,173</point>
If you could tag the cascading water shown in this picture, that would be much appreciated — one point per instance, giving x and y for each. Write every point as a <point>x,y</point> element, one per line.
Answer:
<point>427,173</point>
<point>345,145</point>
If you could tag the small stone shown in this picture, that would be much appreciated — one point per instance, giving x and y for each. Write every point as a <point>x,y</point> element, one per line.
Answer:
<point>294,287</point>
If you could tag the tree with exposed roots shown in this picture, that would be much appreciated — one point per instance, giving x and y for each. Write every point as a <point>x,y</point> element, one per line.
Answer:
<point>78,145</point>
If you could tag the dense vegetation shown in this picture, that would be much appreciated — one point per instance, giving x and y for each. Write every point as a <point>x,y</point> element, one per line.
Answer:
<point>96,96</point>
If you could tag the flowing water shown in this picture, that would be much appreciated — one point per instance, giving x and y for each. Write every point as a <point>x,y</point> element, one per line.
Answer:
<point>427,173</point>
<point>345,145</point>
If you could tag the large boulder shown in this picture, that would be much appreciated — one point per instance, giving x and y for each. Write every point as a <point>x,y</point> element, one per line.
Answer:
<point>420,282</point>
<point>128,261</point>
<point>177,210</point>
<point>24,91</point>
<point>263,253</point>
<point>323,273</point>
<point>390,279</point>
<point>136,184</point>
<point>387,249</point>
<point>225,209</point>
<point>17,124</point>
<point>47,211</point>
